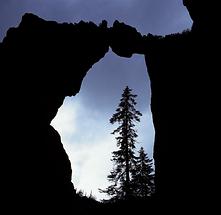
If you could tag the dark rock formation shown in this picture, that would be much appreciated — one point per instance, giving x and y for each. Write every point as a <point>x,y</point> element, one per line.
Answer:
<point>184,81</point>
<point>203,13</point>
<point>185,91</point>
<point>41,63</point>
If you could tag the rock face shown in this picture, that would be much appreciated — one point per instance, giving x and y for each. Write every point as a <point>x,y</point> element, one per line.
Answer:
<point>42,62</point>
<point>185,88</point>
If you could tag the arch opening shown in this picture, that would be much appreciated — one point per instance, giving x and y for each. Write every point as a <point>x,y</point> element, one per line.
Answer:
<point>83,120</point>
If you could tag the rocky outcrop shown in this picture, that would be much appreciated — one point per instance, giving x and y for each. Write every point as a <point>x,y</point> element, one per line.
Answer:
<point>185,86</point>
<point>203,13</point>
<point>184,103</point>
<point>42,62</point>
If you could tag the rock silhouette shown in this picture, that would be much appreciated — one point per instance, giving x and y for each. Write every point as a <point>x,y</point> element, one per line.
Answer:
<point>184,104</point>
<point>42,62</point>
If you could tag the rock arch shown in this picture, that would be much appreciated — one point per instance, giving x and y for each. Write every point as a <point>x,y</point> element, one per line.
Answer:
<point>33,90</point>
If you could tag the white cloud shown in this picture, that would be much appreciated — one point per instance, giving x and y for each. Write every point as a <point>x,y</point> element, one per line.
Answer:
<point>65,121</point>
<point>87,140</point>
<point>86,137</point>
<point>91,164</point>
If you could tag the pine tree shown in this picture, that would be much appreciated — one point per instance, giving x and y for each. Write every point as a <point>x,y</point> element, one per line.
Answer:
<point>124,158</point>
<point>143,175</point>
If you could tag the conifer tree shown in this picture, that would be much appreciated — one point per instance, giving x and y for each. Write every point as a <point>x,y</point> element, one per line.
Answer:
<point>124,158</point>
<point>143,175</point>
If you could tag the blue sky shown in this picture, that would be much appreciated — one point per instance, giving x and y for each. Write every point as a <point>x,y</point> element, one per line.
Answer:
<point>91,109</point>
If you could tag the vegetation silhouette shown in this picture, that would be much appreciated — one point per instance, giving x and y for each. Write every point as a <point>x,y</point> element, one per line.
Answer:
<point>132,176</point>
<point>130,173</point>
<point>143,176</point>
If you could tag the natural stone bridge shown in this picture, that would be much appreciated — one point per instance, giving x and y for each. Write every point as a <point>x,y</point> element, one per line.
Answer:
<point>42,62</point>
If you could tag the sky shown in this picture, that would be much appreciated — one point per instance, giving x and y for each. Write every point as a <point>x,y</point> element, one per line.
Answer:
<point>101,90</point>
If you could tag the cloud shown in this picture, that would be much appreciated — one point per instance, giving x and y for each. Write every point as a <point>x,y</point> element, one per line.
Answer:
<point>91,164</point>
<point>86,137</point>
<point>66,119</point>
<point>87,140</point>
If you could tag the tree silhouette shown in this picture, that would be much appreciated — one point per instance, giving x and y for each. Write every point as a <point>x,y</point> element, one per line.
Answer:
<point>124,159</point>
<point>143,175</point>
